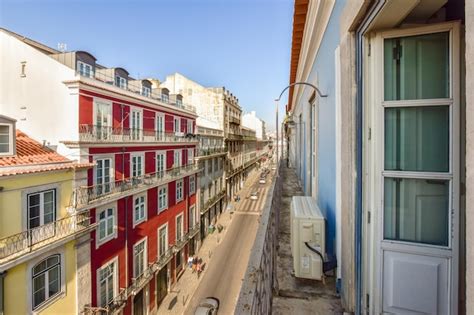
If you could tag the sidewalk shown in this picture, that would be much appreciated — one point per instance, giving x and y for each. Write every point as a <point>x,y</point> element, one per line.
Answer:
<point>178,298</point>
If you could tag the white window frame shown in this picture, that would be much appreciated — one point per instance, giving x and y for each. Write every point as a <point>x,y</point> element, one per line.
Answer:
<point>181,228</point>
<point>177,126</point>
<point>98,240</point>
<point>85,65</point>
<point>121,82</point>
<point>192,185</point>
<point>179,197</point>
<point>145,254</point>
<point>111,168</point>
<point>177,153</point>
<point>190,126</point>
<point>163,226</point>
<point>375,162</point>
<point>115,262</point>
<point>106,133</point>
<point>160,133</point>
<point>146,91</point>
<point>10,139</point>
<point>145,209</point>
<point>135,131</point>
<point>192,216</point>
<point>160,189</point>
<point>142,170</point>
<point>41,205</point>
<point>162,153</point>
<point>31,264</point>
<point>190,156</point>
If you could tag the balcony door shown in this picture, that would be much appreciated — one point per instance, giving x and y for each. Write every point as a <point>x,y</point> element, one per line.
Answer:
<point>102,120</point>
<point>41,215</point>
<point>160,127</point>
<point>418,155</point>
<point>160,163</point>
<point>136,124</point>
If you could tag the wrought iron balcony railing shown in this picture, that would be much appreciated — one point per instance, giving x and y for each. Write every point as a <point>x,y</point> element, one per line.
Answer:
<point>17,245</point>
<point>211,201</point>
<point>107,134</point>
<point>210,151</point>
<point>135,86</point>
<point>87,195</point>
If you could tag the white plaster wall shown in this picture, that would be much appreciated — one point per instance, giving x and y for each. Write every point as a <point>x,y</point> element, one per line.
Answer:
<point>40,102</point>
<point>250,120</point>
<point>469,157</point>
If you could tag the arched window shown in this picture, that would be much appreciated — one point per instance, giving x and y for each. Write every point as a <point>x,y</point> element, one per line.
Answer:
<point>46,276</point>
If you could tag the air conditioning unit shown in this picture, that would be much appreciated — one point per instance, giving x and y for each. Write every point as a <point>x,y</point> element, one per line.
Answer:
<point>307,238</point>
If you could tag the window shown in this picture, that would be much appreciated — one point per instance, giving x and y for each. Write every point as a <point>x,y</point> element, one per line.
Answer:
<point>177,158</point>
<point>6,140</point>
<point>190,156</point>
<point>177,125</point>
<point>209,166</point>
<point>162,240</point>
<point>179,190</point>
<point>165,98</point>
<point>137,165</point>
<point>162,198</point>
<point>107,283</point>
<point>41,208</point>
<point>121,82</point>
<point>136,123</point>
<point>192,184</point>
<point>190,126</point>
<point>103,175</point>
<point>103,119</point>
<point>192,216</point>
<point>139,209</point>
<point>139,258</point>
<point>85,69</point>
<point>160,164</point>
<point>179,227</point>
<point>106,219</point>
<point>46,279</point>
<point>146,91</point>
<point>160,126</point>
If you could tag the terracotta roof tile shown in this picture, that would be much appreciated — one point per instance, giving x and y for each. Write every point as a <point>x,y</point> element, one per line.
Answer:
<point>32,157</point>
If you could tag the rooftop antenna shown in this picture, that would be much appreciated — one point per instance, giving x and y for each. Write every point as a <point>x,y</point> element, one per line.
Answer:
<point>62,47</point>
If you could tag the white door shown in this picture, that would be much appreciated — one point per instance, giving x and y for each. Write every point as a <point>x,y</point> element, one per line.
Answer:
<point>103,120</point>
<point>160,127</point>
<point>418,156</point>
<point>160,164</point>
<point>136,124</point>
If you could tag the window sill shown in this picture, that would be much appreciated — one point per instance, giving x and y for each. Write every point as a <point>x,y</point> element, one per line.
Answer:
<point>105,240</point>
<point>48,303</point>
<point>139,222</point>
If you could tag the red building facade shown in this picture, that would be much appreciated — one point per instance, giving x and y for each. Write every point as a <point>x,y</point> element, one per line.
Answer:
<point>141,194</point>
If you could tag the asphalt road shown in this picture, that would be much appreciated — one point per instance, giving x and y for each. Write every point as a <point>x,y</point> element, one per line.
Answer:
<point>228,264</point>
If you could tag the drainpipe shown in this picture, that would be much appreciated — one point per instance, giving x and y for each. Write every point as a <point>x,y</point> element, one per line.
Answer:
<point>359,213</point>
<point>2,292</point>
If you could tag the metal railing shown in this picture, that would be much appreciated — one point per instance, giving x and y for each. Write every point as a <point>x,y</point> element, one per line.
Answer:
<point>259,282</point>
<point>136,87</point>
<point>85,195</point>
<point>210,151</point>
<point>107,134</point>
<point>16,245</point>
<point>211,201</point>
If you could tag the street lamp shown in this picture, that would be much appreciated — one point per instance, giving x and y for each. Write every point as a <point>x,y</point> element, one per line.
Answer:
<point>278,99</point>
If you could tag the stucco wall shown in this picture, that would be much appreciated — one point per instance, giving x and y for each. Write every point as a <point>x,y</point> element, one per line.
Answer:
<point>40,98</point>
<point>469,157</point>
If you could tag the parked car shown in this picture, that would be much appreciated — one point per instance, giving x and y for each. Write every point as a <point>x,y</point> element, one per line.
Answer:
<point>207,306</point>
<point>254,195</point>
<point>262,181</point>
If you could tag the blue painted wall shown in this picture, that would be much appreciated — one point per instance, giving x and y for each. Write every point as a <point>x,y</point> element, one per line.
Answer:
<point>323,74</point>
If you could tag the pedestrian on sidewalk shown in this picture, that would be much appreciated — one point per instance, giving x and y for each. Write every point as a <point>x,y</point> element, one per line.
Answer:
<point>198,268</point>
<point>190,262</point>
<point>195,261</point>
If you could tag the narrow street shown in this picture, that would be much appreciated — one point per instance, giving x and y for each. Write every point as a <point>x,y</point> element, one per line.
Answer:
<point>229,261</point>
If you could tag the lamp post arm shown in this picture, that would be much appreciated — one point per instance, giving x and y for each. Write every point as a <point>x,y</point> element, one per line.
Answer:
<point>301,83</point>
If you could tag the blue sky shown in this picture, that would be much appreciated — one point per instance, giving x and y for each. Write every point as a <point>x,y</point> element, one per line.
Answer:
<point>243,45</point>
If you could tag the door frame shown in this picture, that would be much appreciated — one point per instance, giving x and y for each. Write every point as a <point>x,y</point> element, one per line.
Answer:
<point>374,165</point>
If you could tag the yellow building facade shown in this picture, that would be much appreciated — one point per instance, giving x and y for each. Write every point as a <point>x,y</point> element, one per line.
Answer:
<point>38,229</point>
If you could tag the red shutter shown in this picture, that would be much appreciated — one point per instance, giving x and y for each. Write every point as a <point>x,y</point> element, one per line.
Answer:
<point>168,123</point>
<point>172,194</point>
<point>150,162</point>
<point>169,159</point>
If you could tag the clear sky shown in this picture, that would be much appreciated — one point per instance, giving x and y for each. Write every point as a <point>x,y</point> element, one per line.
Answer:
<point>243,45</point>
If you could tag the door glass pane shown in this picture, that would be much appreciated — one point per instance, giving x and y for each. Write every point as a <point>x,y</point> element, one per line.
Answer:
<point>416,67</point>
<point>416,210</point>
<point>417,139</point>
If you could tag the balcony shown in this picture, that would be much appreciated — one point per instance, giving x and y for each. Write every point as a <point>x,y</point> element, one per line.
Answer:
<point>135,87</point>
<point>106,134</point>
<point>210,151</point>
<point>104,193</point>
<point>234,120</point>
<point>23,244</point>
<point>212,201</point>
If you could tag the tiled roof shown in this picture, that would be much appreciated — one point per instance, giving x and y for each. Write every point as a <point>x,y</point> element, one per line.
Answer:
<point>33,157</point>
